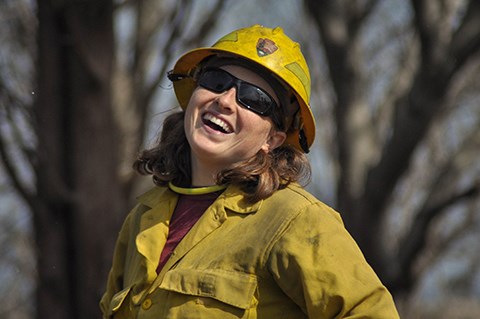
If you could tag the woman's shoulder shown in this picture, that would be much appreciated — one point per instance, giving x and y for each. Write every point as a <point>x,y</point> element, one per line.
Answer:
<point>154,196</point>
<point>294,194</point>
<point>297,200</point>
<point>150,199</point>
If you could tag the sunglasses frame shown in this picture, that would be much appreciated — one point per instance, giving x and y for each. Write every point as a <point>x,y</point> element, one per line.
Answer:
<point>238,84</point>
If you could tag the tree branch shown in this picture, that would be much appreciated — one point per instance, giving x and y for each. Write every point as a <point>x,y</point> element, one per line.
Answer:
<point>359,15</point>
<point>177,21</point>
<point>14,104</point>
<point>8,163</point>
<point>466,40</point>
<point>426,21</point>
<point>428,96</point>
<point>397,88</point>
<point>415,241</point>
<point>444,244</point>
<point>338,41</point>
<point>13,175</point>
<point>207,25</point>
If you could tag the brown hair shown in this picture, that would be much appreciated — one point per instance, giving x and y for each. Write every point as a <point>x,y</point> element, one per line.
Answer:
<point>259,177</point>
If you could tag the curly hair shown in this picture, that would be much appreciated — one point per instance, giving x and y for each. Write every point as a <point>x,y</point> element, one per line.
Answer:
<point>258,177</point>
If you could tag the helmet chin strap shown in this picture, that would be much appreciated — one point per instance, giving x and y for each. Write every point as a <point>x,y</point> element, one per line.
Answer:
<point>297,124</point>
<point>303,141</point>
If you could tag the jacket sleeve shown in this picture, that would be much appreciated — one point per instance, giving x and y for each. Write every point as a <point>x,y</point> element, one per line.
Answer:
<point>320,267</point>
<point>116,274</point>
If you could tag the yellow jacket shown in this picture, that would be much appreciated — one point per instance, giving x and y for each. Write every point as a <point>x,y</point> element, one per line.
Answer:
<point>288,256</point>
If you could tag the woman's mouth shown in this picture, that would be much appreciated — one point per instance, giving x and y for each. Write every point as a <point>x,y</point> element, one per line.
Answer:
<point>216,124</point>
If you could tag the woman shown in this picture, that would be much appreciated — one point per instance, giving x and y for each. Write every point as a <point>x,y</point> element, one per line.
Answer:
<point>228,232</point>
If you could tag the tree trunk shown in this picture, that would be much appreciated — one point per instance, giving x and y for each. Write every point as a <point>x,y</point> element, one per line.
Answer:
<point>79,193</point>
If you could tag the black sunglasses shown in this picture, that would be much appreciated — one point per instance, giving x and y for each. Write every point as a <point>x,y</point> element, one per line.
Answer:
<point>248,95</point>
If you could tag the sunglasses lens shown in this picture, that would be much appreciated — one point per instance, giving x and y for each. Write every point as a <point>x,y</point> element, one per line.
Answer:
<point>254,98</point>
<point>215,80</point>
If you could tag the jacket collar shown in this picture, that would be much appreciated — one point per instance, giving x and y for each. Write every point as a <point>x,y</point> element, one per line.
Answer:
<point>155,196</point>
<point>232,198</point>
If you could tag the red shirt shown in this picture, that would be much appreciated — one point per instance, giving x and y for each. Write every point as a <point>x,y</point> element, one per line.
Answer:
<point>187,212</point>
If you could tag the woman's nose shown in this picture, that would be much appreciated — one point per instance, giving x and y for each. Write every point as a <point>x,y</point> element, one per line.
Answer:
<point>228,99</point>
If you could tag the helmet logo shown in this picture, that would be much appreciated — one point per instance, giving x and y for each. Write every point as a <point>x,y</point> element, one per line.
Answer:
<point>265,47</point>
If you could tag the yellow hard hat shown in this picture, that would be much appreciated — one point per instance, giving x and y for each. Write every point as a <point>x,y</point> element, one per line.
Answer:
<point>274,51</point>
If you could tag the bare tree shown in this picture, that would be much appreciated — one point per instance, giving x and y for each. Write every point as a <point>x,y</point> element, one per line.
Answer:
<point>444,40</point>
<point>17,265</point>
<point>81,138</point>
<point>78,136</point>
<point>78,203</point>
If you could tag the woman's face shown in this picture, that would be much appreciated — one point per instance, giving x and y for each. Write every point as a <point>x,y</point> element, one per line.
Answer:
<point>221,132</point>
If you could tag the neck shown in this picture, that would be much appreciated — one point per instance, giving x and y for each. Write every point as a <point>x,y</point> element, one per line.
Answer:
<point>203,174</point>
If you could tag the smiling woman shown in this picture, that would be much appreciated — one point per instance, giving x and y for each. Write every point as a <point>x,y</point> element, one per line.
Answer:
<point>228,232</point>
<point>247,132</point>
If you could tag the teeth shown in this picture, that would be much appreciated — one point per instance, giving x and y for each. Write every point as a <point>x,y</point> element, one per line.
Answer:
<point>217,121</point>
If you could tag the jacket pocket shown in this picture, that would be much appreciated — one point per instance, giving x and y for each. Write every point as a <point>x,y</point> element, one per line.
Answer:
<point>233,288</point>
<point>119,299</point>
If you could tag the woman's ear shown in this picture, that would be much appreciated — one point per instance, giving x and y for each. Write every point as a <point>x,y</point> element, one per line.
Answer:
<point>275,140</point>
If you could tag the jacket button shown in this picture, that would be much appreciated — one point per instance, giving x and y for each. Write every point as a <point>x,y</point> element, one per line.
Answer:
<point>146,304</point>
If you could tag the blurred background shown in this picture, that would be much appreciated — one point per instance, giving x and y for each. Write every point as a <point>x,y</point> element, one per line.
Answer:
<point>395,94</point>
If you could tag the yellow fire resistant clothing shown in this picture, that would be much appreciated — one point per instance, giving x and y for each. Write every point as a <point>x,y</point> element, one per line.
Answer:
<point>288,256</point>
